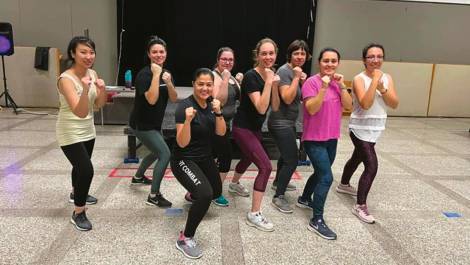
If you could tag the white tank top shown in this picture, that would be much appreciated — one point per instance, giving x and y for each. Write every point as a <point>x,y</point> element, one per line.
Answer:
<point>368,125</point>
<point>70,128</point>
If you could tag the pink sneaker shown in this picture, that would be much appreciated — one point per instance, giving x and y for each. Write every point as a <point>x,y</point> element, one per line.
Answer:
<point>362,213</point>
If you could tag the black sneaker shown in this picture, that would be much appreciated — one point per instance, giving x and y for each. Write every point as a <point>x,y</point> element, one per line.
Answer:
<point>307,204</point>
<point>318,226</point>
<point>142,180</point>
<point>159,201</point>
<point>89,199</point>
<point>80,221</point>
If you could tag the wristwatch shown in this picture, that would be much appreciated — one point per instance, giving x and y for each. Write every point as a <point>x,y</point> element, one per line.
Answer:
<point>218,114</point>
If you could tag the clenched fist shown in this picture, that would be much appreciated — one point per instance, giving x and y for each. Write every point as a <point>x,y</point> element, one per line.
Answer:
<point>215,105</point>
<point>325,81</point>
<point>190,113</point>
<point>239,77</point>
<point>166,77</point>
<point>297,72</point>
<point>226,74</point>
<point>156,69</point>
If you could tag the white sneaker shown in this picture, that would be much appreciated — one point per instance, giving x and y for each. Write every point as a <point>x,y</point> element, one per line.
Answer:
<point>362,213</point>
<point>239,189</point>
<point>257,220</point>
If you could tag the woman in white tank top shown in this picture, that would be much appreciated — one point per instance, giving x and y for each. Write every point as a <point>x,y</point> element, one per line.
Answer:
<point>80,90</point>
<point>373,90</point>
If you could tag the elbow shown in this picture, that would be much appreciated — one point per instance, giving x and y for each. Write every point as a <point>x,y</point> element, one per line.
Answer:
<point>311,112</point>
<point>394,106</point>
<point>174,99</point>
<point>365,106</point>
<point>181,144</point>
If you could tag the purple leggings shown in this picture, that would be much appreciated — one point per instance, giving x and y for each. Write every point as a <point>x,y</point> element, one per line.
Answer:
<point>252,151</point>
<point>364,152</point>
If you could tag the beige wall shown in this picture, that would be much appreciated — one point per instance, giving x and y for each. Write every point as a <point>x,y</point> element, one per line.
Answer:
<point>451,91</point>
<point>54,22</point>
<point>446,94</point>
<point>410,31</point>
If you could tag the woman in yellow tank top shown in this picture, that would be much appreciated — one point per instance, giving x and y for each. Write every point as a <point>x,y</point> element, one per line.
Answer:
<point>80,90</point>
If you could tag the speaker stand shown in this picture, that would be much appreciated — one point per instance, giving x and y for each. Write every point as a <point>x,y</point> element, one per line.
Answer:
<point>9,102</point>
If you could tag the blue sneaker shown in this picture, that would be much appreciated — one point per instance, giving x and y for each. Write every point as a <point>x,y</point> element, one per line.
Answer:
<point>307,204</point>
<point>319,226</point>
<point>221,201</point>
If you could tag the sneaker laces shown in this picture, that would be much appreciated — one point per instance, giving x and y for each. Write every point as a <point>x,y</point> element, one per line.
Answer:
<point>364,209</point>
<point>190,242</point>
<point>264,220</point>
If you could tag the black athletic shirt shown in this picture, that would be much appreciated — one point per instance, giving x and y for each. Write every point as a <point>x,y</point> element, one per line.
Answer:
<point>247,116</point>
<point>202,131</point>
<point>145,116</point>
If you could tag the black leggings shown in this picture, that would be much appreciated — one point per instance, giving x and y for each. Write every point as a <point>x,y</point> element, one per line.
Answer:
<point>285,139</point>
<point>201,179</point>
<point>223,151</point>
<point>79,155</point>
<point>364,152</point>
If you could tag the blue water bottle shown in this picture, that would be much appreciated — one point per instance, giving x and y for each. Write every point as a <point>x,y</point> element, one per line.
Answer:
<point>128,79</point>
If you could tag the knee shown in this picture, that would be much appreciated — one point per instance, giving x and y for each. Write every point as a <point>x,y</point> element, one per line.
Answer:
<point>88,170</point>
<point>165,155</point>
<point>204,194</point>
<point>371,166</point>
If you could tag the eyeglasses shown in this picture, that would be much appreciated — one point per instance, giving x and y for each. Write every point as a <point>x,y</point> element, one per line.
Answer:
<point>372,58</point>
<point>228,60</point>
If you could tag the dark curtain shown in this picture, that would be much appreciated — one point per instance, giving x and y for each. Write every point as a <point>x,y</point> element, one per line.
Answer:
<point>195,30</point>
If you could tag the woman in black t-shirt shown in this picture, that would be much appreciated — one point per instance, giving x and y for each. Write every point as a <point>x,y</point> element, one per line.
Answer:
<point>198,120</point>
<point>146,119</point>
<point>259,90</point>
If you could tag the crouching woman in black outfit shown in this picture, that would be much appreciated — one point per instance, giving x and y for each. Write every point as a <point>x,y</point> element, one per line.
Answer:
<point>198,119</point>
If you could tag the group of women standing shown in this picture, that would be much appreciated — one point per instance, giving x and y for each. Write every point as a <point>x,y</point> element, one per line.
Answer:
<point>207,114</point>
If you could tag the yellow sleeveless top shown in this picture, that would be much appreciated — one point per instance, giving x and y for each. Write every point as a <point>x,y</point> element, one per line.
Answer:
<point>70,128</point>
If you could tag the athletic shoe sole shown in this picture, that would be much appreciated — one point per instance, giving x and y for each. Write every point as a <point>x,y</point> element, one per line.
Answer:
<point>318,233</point>
<point>88,203</point>
<point>220,204</point>
<point>238,193</point>
<point>360,218</point>
<point>153,204</point>
<point>184,253</point>
<point>77,227</point>
<point>258,227</point>
<point>338,190</point>
<point>303,206</point>
<point>287,189</point>
<point>280,209</point>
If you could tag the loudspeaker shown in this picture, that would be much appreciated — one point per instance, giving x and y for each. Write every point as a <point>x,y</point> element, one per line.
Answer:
<point>6,39</point>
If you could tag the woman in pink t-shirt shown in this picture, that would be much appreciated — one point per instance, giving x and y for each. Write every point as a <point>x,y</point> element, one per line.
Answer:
<point>324,95</point>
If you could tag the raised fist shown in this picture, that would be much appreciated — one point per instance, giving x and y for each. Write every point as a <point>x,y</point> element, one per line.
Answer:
<point>276,79</point>
<point>377,74</point>
<point>226,74</point>
<point>297,71</point>
<point>215,105</point>
<point>166,77</point>
<point>86,81</point>
<point>190,113</point>
<point>99,83</point>
<point>156,69</point>
<point>239,77</point>
<point>269,74</point>
<point>326,81</point>
<point>338,78</point>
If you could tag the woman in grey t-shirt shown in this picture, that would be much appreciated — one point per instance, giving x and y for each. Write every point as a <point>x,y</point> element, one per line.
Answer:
<point>281,123</point>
